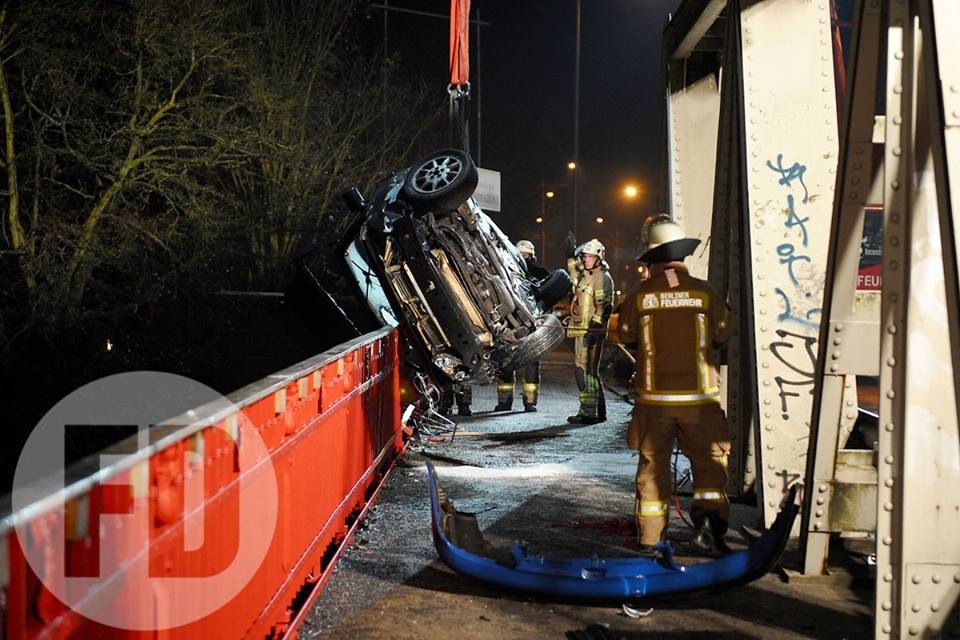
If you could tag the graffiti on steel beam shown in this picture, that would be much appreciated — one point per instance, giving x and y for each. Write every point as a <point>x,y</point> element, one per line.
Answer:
<point>797,308</point>
<point>803,366</point>
<point>795,350</point>
<point>788,255</point>
<point>791,173</point>
<point>793,220</point>
<point>787,314</point>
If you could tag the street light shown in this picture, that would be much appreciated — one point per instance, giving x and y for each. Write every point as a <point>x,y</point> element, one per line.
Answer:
<point>543,240</point>
<point>631,191</point>
<point>544,194</point>
<point>571,165</point>
<point>599,220</point>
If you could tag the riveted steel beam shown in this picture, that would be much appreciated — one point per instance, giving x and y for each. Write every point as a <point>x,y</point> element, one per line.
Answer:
<point>789,103</point>
<point>944,54</point>
<point>898,171</point>
<point>849,334</point>
<point>918,507</point>
<point>693,114</point>
<point>727,273</point>
<point>703,165</point>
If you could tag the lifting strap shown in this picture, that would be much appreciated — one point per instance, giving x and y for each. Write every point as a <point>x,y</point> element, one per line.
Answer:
<point>459,87</point>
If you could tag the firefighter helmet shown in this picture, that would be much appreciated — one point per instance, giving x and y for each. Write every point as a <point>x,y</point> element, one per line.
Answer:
<point>525,246</point>
<point>665,240</point>
<point>591,247</point>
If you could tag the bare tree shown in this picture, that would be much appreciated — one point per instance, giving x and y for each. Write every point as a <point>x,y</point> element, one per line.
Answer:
<point>318,109</point>
<point>149,143</point>
<point>119,134</point>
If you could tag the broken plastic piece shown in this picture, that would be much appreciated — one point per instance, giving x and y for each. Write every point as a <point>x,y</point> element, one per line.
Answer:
<point>461,545</point>
<point>630,612</point>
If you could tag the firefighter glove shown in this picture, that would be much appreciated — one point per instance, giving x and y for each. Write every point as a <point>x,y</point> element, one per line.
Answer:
<point>571,245</point>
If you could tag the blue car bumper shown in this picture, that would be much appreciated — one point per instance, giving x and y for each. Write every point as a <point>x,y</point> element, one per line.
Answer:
<point>461,546</point>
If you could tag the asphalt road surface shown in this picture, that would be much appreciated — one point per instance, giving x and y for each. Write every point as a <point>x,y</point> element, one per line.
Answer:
<point>567,490</point>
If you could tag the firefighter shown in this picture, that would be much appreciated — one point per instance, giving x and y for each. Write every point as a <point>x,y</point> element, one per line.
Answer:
<point>529,255</point>
<point>676,322</point>
<point>530,373</point>
<point>459,392</point>
<point>590,312</point>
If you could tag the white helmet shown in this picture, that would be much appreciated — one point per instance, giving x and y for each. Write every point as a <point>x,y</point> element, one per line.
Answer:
<point>592,247</point>
<point>665,240</point>
<point>525,246</point>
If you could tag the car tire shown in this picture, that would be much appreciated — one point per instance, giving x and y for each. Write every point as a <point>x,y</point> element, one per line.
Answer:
<point>442,180</point>
<point>547,336</point>
<point>553,289</point>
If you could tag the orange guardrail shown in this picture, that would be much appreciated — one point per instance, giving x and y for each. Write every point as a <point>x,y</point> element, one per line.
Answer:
<point>226,524</point>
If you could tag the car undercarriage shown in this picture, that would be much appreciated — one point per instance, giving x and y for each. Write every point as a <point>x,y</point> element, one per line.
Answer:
<point>458,286</point>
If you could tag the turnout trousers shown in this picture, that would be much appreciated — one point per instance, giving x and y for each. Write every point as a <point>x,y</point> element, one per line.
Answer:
<point>586,362</point>
<point>529,376</point>
<point>701,432</point>
<point>459,392</point>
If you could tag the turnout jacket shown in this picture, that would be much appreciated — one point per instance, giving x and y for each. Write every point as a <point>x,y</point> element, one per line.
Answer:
<point>592,300</point>
<point>676,322</point>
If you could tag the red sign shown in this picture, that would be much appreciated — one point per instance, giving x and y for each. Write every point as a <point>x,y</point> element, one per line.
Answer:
<point>870,278</point>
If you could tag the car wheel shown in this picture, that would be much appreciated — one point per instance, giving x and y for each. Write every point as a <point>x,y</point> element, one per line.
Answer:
<point>548,335</point>
<point>440,181</point>
<point>554,288</point>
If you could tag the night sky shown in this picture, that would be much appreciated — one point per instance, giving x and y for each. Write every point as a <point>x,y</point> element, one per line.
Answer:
<point>523,84</point>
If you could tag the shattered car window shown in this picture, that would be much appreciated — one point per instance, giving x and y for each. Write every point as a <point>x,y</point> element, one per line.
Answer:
<point>370,287</point>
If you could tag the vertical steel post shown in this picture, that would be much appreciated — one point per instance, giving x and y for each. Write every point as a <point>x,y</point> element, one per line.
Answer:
<point>790,141</point>
<point>918,507</point>
<point>693,113</point>
<point>576,126</point>
<point>849,335</point>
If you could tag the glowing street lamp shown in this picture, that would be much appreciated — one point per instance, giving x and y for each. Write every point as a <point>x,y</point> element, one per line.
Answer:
<point>599,220</point>
<point>543,238</point>
<point>631,191</point>
<point>571,165</point>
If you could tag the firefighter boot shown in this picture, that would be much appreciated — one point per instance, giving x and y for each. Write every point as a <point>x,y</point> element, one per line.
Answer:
<point>531,391</point>
<point>505,393</point>
<point>710,528</point>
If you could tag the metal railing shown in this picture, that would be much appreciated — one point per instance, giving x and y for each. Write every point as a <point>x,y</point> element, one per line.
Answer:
<point>129,547</point>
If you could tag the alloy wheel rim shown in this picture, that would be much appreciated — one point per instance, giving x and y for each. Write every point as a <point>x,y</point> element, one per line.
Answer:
<point>437,174</point>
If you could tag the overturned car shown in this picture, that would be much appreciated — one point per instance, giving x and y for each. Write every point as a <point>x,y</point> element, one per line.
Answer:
<point>426,258</point>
